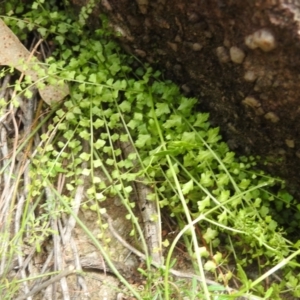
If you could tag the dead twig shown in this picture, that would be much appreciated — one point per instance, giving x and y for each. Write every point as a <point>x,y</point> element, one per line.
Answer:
<point>39,288</point>
<point>58,259</point>
<point>44,268</point>
<point>21,202</point>
<point>149,211</point>
<point>77,262</point>
<point>66,233</point>
<point>8,196</point>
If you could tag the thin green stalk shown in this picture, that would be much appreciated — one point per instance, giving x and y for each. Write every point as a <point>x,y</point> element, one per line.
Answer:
<point>186,210</point>
<point>284,262</point>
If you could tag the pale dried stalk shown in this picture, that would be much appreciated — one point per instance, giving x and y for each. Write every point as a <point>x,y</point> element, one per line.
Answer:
<point>18,216</point>
<point>15,53</point>
<point>5,182</point>
<point>3,91</point>
<point>149,211</point>
<point>75,207</point>
<point>77,262</point>
<point>44,268</point>
<point>8,197</point>
<point>45,284</point>
<point>66,233</point>
<point>48,292</point>
<point>58,258</point>
<point>76,203</point>
<point>28,116</point>
<point>9,200</point>
<point>6,201</point>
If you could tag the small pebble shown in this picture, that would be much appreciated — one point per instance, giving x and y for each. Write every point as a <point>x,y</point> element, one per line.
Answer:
<point>196,47</point>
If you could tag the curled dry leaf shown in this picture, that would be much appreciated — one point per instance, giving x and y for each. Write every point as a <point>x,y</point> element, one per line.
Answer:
<point>14,54</point>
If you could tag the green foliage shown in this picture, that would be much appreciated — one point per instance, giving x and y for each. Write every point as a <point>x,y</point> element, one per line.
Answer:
<point>174,147</point>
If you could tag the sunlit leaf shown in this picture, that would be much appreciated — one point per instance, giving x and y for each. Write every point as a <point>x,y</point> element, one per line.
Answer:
<point>187,187</point>
<point>210,234</point>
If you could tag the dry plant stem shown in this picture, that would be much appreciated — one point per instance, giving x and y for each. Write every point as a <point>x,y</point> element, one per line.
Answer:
<point>9,193</point>
<point>23,274</point>
<point>28,259</point>
<point>28,124</point>
<point>7,200</point>
<point>55,239</point>
<point>48,293</point>
<point>149,212</point>
<point>5,82</point>
<point>28,111</point>
<point>58,261</point>
<point>66,233</point>
<point>11,110</point>
<point>22,168</point>
<point>98,264</point>
<point>4,150</point>
<point>151,220</point>
<point>77,201</point>
<point>44,268</point>
<point>3,91</point>
<point>45,284</point>
<point>71,221</point>
<point>60,182</point>
<point>80,279</point>
<point>42,50</point>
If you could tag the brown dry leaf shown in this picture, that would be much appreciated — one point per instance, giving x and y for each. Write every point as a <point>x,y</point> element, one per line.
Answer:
<point>13,53</point>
